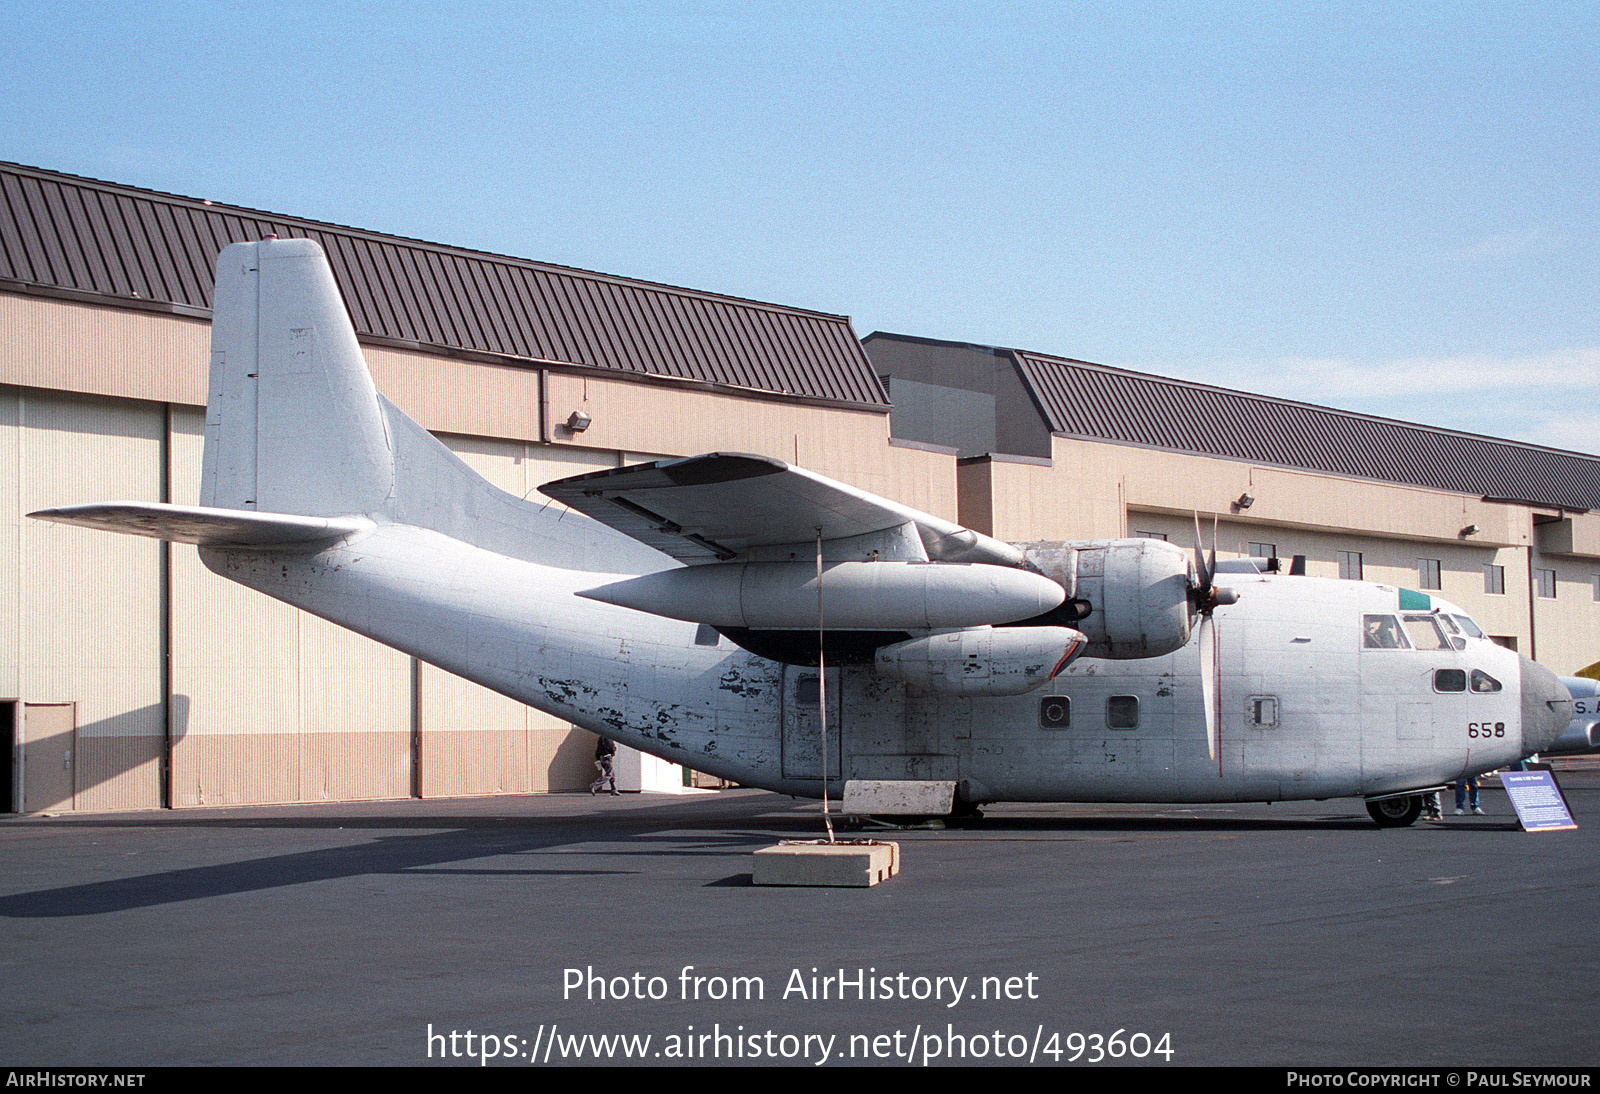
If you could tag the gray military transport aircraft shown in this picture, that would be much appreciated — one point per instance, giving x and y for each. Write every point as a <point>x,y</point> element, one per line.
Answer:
<point>685,618</point>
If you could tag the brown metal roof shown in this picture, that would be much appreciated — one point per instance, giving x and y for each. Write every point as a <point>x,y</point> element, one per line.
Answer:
<point>1079,399</point>
<point>123,245</point>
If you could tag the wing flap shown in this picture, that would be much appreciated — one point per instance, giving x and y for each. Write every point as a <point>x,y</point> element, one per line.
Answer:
<point>721,506</point>
<point>205,526</point>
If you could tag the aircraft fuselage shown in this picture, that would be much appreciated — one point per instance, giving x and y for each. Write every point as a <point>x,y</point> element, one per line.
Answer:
<point>1307,710</point>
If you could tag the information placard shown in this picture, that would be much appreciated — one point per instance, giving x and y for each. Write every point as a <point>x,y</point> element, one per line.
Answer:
<point>1538,801</point>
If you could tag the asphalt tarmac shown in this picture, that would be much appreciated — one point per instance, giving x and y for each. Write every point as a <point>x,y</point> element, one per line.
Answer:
<point>1288,935</point>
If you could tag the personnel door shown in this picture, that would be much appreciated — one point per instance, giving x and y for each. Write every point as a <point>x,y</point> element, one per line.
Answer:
<point>49,752</point>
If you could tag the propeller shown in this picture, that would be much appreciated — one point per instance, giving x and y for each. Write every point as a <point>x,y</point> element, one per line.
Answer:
<point>1204,598</point>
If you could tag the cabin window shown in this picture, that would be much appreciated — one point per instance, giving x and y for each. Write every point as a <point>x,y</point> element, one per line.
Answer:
<point>1122,712</point>
<point>1264,710</point>
<point>1428,573</point>
<point>1425,633</point>
<point>1381,632</point>
<point>1448,680</point>
<point>1055,712</point>
<point>807,691</point>
<point>1483,683</point>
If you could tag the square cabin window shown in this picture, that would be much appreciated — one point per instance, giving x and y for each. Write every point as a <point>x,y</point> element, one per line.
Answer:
<point>807,691</point>
<point>1122,712</point>
<point>1350,565</point>
<point>1428,573</point>
<point>1263,710</point>
<point>1494,581</point>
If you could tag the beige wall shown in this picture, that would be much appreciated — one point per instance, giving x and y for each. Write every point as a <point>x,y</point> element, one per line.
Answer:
<point>267,704</point>
<point>1093,490</point>
<point>80,610</point>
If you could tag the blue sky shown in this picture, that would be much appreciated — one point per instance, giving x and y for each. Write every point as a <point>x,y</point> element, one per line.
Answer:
<point>1385,207</point>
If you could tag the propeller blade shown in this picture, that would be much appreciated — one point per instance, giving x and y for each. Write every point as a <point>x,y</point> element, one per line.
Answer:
<point>1211,557</point>
<point>1208,680</point>
<point>1202,569</point>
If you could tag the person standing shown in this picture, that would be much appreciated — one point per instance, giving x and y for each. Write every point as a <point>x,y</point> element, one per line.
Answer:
<point>1463,786</point>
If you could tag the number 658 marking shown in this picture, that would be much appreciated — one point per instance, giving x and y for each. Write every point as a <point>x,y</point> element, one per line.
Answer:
<point>1486,729</point>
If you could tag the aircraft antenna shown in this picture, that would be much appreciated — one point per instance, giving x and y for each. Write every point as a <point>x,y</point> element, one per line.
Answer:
<point>822,695</point>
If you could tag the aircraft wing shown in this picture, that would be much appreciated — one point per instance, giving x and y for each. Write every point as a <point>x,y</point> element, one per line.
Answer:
<point>721,506</point>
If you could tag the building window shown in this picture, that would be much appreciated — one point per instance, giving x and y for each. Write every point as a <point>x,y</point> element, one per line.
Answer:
<point>1494,581</point>
<point>1595,582</point>
<point>1544,583</point>
<point>1428,573</point>
<point>1350,565</point>
<point>1263,550</point>
<point>1150,535</point>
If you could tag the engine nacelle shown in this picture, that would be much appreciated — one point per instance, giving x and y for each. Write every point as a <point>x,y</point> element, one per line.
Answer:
<point>876,596</point>
<point>1136,592</point>
<point>982,660</point>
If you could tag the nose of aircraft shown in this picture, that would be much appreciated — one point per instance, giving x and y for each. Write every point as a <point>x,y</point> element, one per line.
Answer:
<point>1546,707</point>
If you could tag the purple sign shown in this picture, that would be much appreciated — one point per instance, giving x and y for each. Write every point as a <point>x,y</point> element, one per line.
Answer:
<point>1538,801</point>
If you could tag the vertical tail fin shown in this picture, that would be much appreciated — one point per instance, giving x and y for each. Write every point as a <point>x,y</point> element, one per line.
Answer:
<point>293,423</point>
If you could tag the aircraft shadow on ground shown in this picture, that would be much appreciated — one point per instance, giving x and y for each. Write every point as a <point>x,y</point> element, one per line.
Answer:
<point>612,835</point>
<point>427,855</point>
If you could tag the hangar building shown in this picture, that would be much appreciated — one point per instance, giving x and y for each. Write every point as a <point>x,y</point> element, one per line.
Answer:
<point>133,678</point>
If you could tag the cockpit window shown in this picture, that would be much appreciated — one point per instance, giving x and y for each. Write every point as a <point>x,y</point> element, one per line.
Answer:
<point>1483,683</point>
<point>1381,632</point>
<point>1468,625</point>
<point>1450,680</point>
<point>1425,633</point>
<point>1449,624</point>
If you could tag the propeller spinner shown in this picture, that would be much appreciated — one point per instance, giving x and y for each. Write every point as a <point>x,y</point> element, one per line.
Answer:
<point>1204,598</point>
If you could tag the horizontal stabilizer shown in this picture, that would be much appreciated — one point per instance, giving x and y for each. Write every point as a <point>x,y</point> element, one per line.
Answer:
<point>205,526</point>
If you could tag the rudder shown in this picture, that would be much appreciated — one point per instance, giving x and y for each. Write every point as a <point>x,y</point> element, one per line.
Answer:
<point>293,422</point>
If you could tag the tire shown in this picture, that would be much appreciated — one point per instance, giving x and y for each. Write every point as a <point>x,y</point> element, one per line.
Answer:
<point>1396,812</point>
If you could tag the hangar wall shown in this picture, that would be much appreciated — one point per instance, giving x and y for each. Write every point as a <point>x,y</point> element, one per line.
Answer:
<point>139,679</point>
<point>122,644</point>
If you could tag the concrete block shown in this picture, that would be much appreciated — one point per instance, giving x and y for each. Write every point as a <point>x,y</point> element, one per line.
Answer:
<point>898,797</point>
<point>859,864</point>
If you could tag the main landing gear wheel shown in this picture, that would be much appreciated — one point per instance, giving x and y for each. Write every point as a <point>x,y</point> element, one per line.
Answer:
<point>1396,812</point>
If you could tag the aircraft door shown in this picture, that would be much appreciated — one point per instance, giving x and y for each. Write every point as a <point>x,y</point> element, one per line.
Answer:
<point>802,724</point>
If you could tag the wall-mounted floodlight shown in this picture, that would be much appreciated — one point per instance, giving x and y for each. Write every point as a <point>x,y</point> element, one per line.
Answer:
<point>578,421</point>
<point>1245,501</point>
<point>1470,530</point>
